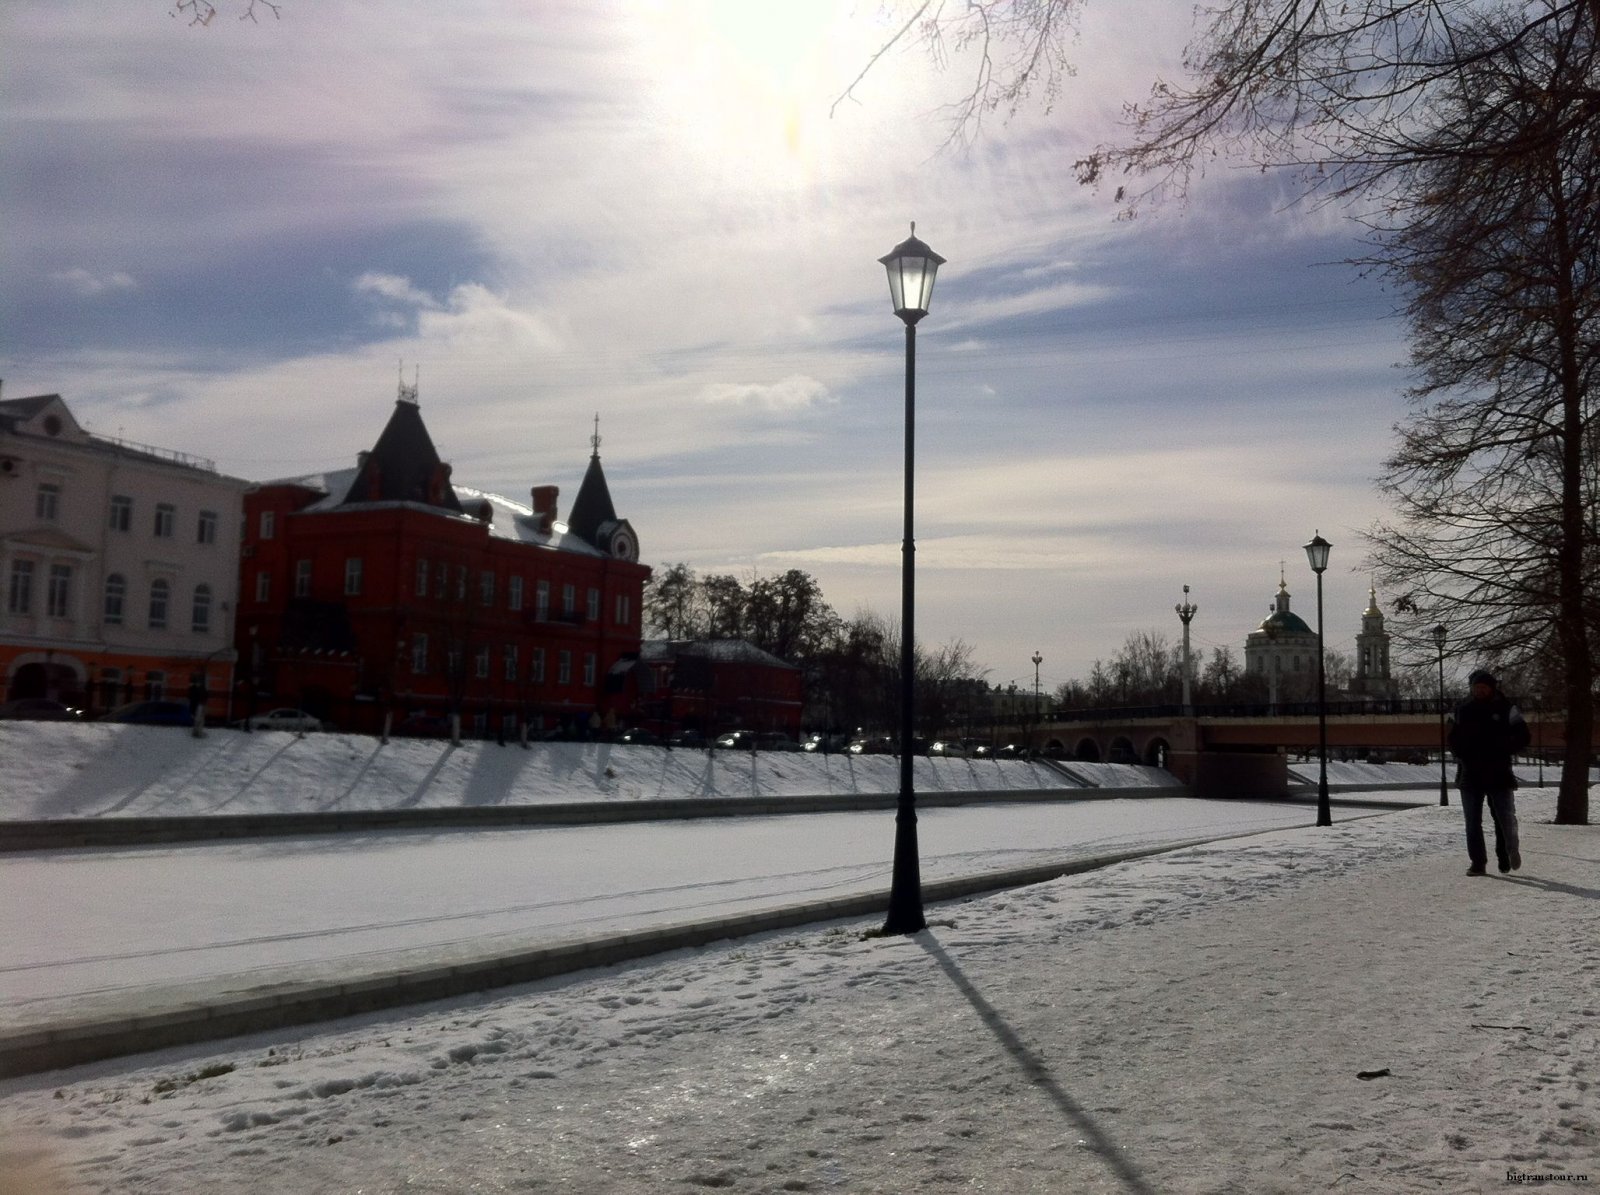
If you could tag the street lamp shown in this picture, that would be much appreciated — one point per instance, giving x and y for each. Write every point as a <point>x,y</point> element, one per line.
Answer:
<point>1186,611</point>
<point>1317,554</point>
<point>1037,660</point>
<point>912,266</point>
<point>1444,742</point>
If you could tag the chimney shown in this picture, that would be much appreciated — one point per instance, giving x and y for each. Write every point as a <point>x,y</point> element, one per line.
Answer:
<point>544,506</point>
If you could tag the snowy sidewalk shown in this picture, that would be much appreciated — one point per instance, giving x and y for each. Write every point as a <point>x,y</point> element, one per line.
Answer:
<point>1337,1009</point>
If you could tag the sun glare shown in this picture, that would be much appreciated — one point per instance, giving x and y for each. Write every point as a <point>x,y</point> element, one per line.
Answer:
<point>752,81</point>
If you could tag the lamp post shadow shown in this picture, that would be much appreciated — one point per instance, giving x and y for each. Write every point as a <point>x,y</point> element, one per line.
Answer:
<point>1037,1071</point>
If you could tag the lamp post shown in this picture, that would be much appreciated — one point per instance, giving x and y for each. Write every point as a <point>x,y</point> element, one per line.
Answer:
<point>912,266</point>
<point>1037,660</point>
<point>1317,553</point>
<point>1444,742</point>
<point>1186,611</point>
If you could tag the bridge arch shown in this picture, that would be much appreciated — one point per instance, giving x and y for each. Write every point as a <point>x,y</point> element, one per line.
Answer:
<point>1157,752</point>
<point>1122,750</point>
<point>1087,750</point>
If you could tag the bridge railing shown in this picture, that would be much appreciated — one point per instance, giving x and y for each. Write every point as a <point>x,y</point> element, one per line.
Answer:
<point>1281,709</point>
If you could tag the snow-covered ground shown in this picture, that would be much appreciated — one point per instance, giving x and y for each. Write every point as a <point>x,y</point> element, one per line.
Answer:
<point>1337,1010</point>
<point>98,769</point>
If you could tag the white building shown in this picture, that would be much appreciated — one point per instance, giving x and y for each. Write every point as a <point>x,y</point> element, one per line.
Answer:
<point>119,564</point>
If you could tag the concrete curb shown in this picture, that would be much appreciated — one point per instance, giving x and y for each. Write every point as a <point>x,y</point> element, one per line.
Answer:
<point>65,833</point>
<point>274,1006</point>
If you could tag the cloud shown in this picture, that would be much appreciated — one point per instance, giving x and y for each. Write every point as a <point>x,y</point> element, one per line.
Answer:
<point>87,285</point>
<point>394,288</point>
<point>796,392</point>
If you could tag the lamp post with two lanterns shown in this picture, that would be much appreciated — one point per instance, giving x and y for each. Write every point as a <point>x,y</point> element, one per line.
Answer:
<point>912,266</point>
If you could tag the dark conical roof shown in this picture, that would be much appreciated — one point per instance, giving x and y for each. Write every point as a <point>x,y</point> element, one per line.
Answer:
<point>404,466</point>
<point>592,508</point>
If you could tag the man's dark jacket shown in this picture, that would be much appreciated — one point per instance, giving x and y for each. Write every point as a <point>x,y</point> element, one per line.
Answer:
<point>1484,737</point>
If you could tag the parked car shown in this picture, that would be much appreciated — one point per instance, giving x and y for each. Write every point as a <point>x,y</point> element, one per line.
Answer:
<point>422,726</point>
<point>152,713</point>
<point>822,741</point>
<point>1011,751</point>
<point>737,740</point>
<point>690,739</point>
<point>876,744</point>
<point>284,719</point>
<point>776,742</point>
<point>949,748</point>
<point>39,709</point>
<point>981,751</point>
<point>640,737</point>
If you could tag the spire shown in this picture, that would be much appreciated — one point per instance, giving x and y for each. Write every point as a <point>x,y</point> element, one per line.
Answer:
<point>409,393</point>
<point>592,508</point>
<point>594,440</point>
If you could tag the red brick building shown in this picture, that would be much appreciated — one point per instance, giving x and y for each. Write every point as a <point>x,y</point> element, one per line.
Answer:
<point>718,685</point>
<point>386,588</point>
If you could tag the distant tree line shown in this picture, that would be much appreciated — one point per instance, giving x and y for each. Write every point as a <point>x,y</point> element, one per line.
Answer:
<point>851,665</point>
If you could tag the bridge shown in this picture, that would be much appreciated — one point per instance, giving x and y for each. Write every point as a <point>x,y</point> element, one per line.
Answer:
<point>1244,750</point>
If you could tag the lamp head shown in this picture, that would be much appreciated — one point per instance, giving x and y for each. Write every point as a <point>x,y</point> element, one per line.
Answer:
<point>1317,553</point>
<point>912,267</point>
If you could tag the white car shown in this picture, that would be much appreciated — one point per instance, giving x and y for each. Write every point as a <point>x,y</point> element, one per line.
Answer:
<point>285,719</point>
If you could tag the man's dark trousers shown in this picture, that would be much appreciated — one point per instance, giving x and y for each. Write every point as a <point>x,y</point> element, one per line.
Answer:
<point>1503,809</point>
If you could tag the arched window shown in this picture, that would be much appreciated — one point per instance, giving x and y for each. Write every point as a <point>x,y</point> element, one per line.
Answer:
<point>202,609</point>
<point>159,592</point>
<point>116,597</point>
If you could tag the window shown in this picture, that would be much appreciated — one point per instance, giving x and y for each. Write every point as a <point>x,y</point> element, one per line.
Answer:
<point>159,592</point>
<point>514,589</point>
<point>588,668</point>
<point>121,512</point>
<point>155,686</point>
<point>422,578</point>
<point>509,654</point>
<point>200,621</point>
<point>166,519</point>
<point>541,601</point>
<point>47,502</point>
<point>352,576</point>
<point>594,605</point>
<point>624,609</point>
<point>536,669</point>
<point>480,725</point>
<point>269,523</point>
<point>206,532</point>
<point>263,586</point>
<point>486,587</point>
<point>481,663</point>
<point>58,598</point>
<point>302,578</point>
<point>564,668</point>
<point>569,599</point>
<point>419,653</point>
<point>441,587</point>
<point>116,596</point>
<point>461,582</point>
<point>21,599</point>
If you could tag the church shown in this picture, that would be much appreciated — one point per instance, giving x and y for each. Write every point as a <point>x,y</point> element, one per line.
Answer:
<point>1283,651</point>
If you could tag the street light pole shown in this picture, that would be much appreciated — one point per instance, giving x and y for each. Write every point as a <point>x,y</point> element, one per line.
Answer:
<point>1037,660</point>
<point>1317,553</point>
<point>1444,743</point>
<point>1186,611</point>
<point>912,266</point>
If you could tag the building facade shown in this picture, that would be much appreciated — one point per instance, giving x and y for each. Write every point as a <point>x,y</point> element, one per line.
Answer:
<point>1283,652</point>
<point>385,589</point>
<point>716,685</point>
<point>119,562</point>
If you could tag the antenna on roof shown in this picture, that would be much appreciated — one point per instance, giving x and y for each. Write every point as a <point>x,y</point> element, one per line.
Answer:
<point>409,393</point>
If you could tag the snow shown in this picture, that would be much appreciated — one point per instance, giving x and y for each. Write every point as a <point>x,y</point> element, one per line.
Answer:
<point>1197,1021</point>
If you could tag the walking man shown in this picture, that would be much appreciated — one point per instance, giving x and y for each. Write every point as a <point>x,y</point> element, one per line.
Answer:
<point>1486,732</point>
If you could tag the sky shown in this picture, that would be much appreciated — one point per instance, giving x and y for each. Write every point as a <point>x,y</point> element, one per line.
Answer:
<point>235,240</point>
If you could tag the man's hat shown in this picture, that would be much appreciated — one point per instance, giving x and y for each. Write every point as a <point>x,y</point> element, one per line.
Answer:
<point>1482,677</point>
